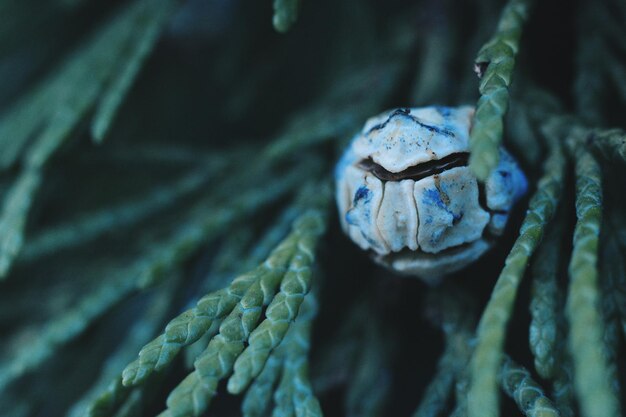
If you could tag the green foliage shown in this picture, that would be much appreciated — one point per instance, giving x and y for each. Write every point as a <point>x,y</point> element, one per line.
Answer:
<point>280,313</point>
<point>13,217</point>
<point>195,232</point>
<point>285,14</point>
<point>259,395</point>
<point>456,323</point>
<point>108,393</point>
<point>563,391</point>
<point>54,108</point>
<point>610,312</point>
<point>494,64</point>
<point>239,307</point>
<point>545,303</point>
<point>294,395</point>
<point>141,37</point>
<point>587,327</point>
<point>547,333</point>
<point>462,385</point>
<point>204,215</point>
<point>67,326</point>
<point>92,225</point>
<point>611,144</point>
<point>519,385</point>
<point>483,399</point>
<point>190,325</point>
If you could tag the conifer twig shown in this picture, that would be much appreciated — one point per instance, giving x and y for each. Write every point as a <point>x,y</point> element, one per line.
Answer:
<point>456,320</point>
<point>200,227</point>
<point>190,325</point>
<point>150,266</point>
<point>562,387</point>
<point>487,356</point>
<point>142,37</point>
<point>259,395</point>
<point>528,395</point>
<point>52,112</point>
<point>439,389</point>
<point>281,312</point>
<point>147,269</point>
<point>227,263</point>
<point>132,405</point>
<point>13,217</point>
<point>544,302</point>
<point>62,100</point>
<point>107,394</point>
<point>193,395</point>
<point>610,311</point>
<point>285,14</point>
<point>64,328</point>
<point>460,393</point>
<point>495,63</point>
<point>591,371</point>
<point>294,395</point>
<point>610,144</point>
<point>89,226</point>
<point>559,359</point>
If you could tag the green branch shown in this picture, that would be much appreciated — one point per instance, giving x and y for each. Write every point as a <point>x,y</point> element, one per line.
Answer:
<point>528,395</point>
<point>609,144</point>
<point>545,302</point>
<point>193,395</point>
<point>294,395</point>
<point>141,39</point>
<point>155,262</point>
<point>609,290</point>
<point>87,227</point>
<point>190,325</point>
<point>62,329</point>
<point>495,63</point>
<point>483,396</point>
<point>108,393</point>
<point>455,315</point>
<point>52,113</point>
<point>13,217</point>
<point>562,387</point>
<point>282,310</point>
<point>591,371</point>
<point>259,396</point>
<point>285,14</point>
